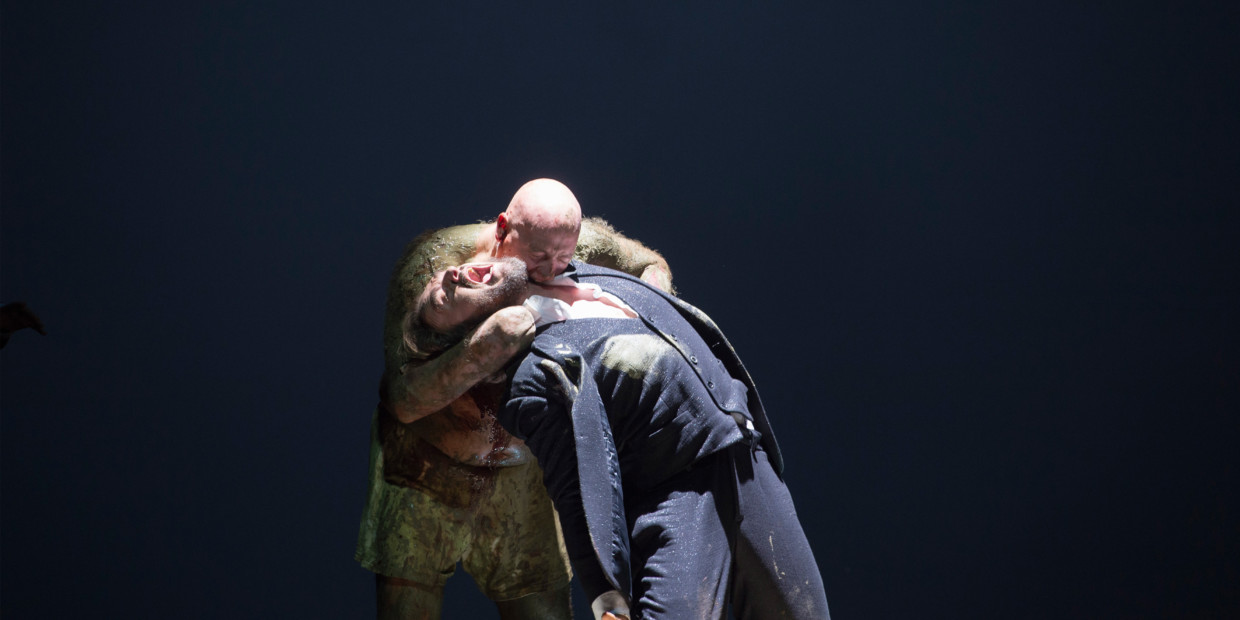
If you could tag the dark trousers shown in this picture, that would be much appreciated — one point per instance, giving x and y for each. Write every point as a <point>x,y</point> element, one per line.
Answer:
<point>723,532</point>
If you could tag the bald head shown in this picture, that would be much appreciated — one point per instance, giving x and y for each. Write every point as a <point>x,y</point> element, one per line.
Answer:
<point>545,204</point>
<point>540,227</point>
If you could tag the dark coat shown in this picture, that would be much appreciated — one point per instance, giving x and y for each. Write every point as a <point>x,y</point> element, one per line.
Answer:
<point>613,407</point>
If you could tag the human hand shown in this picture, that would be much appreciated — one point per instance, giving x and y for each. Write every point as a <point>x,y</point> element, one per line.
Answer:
<point>610,605</point>
<point>501,336</point>
<point>659,277</point>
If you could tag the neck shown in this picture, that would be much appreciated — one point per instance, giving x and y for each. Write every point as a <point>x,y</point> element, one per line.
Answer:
<point>583,302</point>
<point>485,245</point>
<point>567,294</point>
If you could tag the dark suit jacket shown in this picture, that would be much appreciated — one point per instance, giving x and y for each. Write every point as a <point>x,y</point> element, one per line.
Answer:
<point>616,406</point>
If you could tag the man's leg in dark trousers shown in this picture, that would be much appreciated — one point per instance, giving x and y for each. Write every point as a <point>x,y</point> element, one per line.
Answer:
<point>679,545</point>
<point>774,574</point>
<point>691,550</point>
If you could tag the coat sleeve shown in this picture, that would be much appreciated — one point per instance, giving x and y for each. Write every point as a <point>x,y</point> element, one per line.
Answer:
<point>554,406</point>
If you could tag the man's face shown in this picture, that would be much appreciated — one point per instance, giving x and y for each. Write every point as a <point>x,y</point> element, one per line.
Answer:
<point>463,293</point>
<point>546,251</point>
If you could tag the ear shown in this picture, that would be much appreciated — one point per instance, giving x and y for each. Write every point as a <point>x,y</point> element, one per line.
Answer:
<point>501,227</point>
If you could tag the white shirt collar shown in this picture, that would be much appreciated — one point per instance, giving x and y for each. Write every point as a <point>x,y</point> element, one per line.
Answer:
<point>547,310</point>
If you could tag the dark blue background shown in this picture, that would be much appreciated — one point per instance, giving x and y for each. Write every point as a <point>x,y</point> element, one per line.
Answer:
<point>980,257</point>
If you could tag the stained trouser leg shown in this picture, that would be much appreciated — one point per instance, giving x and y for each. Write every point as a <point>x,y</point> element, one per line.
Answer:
<point>774,572</point>
<point>679,545</point>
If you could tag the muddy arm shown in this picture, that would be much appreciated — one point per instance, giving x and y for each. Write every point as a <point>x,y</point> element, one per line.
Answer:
<point>422,389</point>
<point>601,245</point>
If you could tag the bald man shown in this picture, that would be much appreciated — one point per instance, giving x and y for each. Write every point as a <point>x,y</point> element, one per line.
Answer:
<point>448,484</point>
<point>542,221</point>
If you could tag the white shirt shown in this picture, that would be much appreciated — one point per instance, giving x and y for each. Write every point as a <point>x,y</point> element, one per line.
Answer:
<point>547,310</point>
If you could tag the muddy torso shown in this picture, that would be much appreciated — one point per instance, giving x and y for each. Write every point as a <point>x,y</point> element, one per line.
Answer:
<point>465,433</point>
<point>468,432</point>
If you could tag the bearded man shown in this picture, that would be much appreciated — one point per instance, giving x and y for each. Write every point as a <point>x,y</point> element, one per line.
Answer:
<point>447,483</point>
<point>654,445</point>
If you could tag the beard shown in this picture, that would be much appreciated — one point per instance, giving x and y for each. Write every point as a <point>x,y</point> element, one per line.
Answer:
<point>423,342</point>
<point>511,290</point>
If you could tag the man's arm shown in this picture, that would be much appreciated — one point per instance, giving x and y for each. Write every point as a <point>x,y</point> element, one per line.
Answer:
<point>601,245</point>
<point>422,389</point>
<point>553,404</point>
<point>543,424</point>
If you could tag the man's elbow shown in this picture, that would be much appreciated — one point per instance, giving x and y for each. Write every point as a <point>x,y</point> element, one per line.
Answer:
<point>403,414</point>
<point>506,333</point>
<point>405,406</point>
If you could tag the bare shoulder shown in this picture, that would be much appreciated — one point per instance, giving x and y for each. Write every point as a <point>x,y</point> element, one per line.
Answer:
<point>433,250</point>
<point>601,244</point>
<point>597,238</point>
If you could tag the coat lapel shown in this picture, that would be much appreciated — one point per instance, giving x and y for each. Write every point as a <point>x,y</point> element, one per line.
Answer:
<point>631,290</point>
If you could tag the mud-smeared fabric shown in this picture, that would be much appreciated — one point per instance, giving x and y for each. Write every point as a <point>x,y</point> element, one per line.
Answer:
<point>628,417</point>
<point>423,467</point>
<point>503,531</point>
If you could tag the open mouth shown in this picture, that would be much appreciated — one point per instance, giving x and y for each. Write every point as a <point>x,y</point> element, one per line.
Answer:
<point>477,274</point>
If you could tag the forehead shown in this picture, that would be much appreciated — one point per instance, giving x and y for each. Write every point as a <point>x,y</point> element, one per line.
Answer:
<point>559,239</point>
<point>422,304</point>
<point>441,304</point>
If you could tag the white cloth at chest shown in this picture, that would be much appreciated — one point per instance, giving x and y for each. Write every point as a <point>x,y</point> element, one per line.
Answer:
<point>547,310</point>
